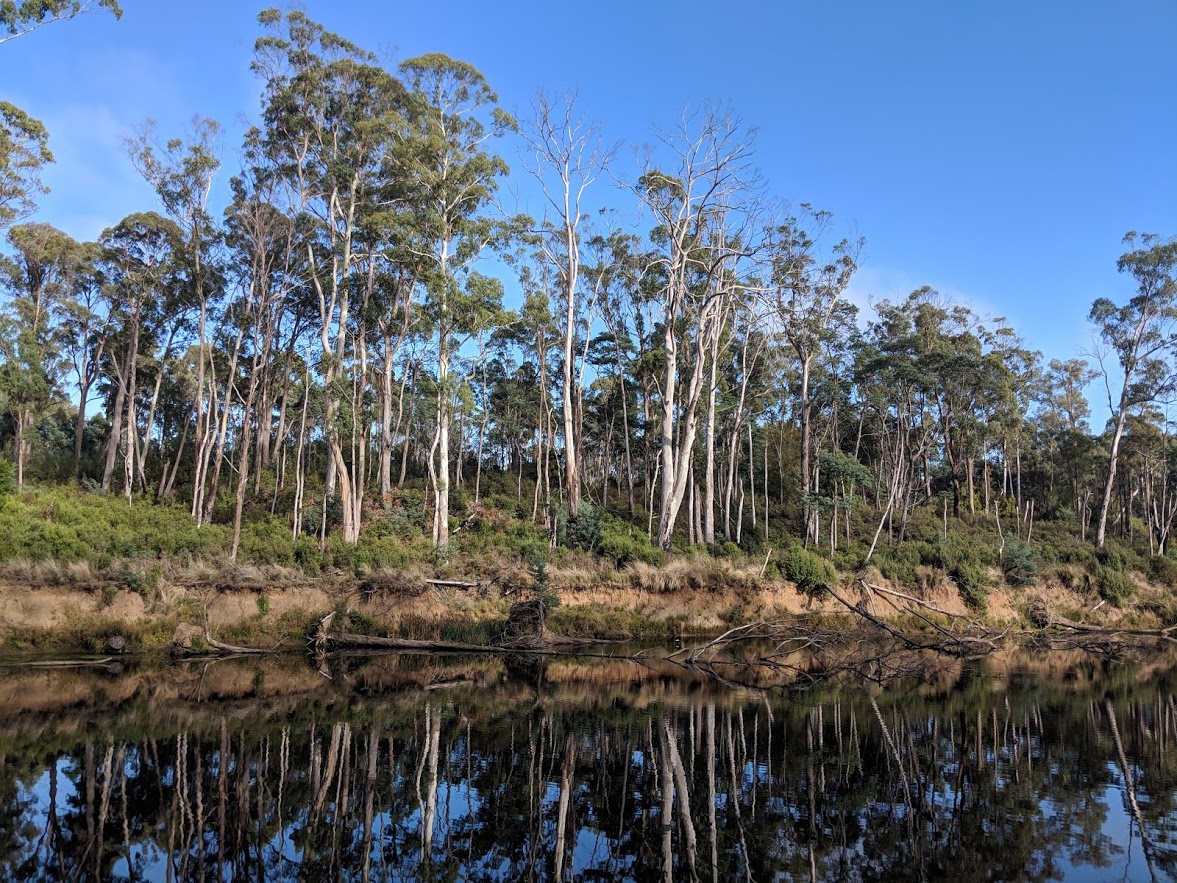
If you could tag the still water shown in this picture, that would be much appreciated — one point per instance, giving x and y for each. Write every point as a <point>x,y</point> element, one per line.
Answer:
<point>1027,767</point>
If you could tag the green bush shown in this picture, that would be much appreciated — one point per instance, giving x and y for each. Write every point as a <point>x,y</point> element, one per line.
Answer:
<point>623,544</point>
<point>307,555</point>
<point>1163,570</point>
<point>1019,563</point>
<point>812,573</point>
<point>584,531</point>
<point>267,542</point>
<point>7,478</point>
<point>973,583</point>
<point>1113,585</point>
<point>1112,558</point>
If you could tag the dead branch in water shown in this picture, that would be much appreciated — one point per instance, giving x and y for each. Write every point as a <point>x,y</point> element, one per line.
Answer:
<point>526,629</point>
<point>62,663</point>
<point>233,650</point>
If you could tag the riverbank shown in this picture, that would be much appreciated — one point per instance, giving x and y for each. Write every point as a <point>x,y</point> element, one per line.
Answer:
<point>688,597</point>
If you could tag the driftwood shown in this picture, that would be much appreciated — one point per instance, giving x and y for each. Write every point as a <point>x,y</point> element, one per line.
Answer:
<point>63,663</point>
<point>963,636</point>
<point>230,649</point>
<point>1165,632</point>
<point>325,639</point>
<point>526,629</point>
<point>453,583</point>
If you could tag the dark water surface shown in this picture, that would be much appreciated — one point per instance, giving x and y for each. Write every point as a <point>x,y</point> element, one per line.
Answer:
<point>1048,767</point>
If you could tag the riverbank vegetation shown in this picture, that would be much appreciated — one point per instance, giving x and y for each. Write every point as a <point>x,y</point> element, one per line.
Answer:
<point>342,360</point>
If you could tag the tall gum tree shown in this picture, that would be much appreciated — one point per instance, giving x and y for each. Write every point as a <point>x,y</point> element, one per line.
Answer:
<point>139,260</point>
<point>566,154</point>
<point>806,297</point>
<point>24,152</point>
<point>1140,337</point>
<point>332,116</point>
<point>182,173</point>
<point>46,262</point>
<point>448,178</point>
<point>701,203</point>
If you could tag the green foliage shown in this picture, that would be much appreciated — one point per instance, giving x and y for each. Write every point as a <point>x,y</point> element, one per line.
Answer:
<point>812,573</point>
<point>972,581</point>
<point>536,556</point>
<point>622,544</point>
<point>21,16</point>
<point>1114,557</point>
<point>24,151</point>
<point>734,615</point>
<point>1163,570</point>
<point>1019,563</point>
<point>7,478</point>
<point>725,549</point>
<point>1114,586</point>
<point>360,623</point>
<point>584,531</point>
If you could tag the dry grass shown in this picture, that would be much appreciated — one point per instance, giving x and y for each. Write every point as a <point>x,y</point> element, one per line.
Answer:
<point>693,573</point>
<point>47,573</point>
<point>581,573</point>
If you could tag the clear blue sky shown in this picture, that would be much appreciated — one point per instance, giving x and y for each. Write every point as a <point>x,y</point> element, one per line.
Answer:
<point>997,151</point>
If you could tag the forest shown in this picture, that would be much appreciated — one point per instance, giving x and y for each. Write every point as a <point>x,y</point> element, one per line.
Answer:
<point>362,356</point>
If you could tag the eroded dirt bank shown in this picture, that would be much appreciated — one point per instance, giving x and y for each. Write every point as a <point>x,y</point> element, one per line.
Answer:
<point>72,619</point>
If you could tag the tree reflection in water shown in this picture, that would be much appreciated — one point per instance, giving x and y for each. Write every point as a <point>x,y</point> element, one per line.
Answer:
<point>594,771</point>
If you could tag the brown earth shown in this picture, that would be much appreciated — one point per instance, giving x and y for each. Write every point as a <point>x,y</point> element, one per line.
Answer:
<point>687,597</point>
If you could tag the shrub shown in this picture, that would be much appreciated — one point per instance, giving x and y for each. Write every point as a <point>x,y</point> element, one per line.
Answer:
<point>1112,558</point>
<point>812,573</point>
<point>624,545</point>
<point>584,531</point>
<point>1019,563</point>
<point>267,542</point>
<point>1163,570</point>
<point>307,555</point>
<point>7,478</point>
<point>973,583</point>
<point>725,549</point>
<point>1113,585</point>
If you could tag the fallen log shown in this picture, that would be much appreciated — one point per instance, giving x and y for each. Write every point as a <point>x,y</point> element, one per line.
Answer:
<point>452,583</point>
<point>1165,633</point>
<point>525,631</point>
<point>61,663</point>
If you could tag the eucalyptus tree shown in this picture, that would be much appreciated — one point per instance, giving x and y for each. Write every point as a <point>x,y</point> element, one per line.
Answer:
<point>139,261</point>
<point>1062,414</point>
<point>1140,337</point>
<point>82,332</point>
<point>1013,374</point>
<point>806,294</point>
<point>331,118</point>
<point>618,275</point>
<point>265,243</point>
<point>448,178</point>
<point>24,152</point>
<point>39,277</point>
<point>19,17</point>
<point>566,154</point>
<point>702,204</point>
<point>896,391</point>
<point>182,173</point>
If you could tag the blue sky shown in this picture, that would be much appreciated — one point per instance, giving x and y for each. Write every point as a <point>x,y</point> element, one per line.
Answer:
<point>997,151</point>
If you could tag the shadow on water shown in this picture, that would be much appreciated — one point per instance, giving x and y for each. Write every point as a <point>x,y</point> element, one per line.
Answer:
<point>1034,767</point>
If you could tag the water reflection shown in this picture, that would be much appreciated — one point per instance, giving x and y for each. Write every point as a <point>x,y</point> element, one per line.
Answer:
<point>413,768</point>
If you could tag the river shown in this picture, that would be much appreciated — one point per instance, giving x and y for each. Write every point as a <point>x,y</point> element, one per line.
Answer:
<point>1033,766</point>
